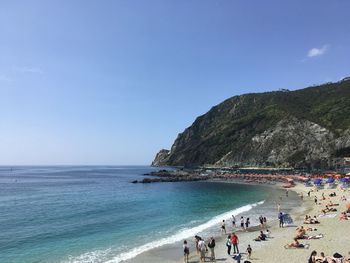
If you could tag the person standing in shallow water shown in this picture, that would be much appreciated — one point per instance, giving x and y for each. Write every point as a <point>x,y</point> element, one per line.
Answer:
<point>265,221</point>
<point>186,251</point>
<point>242,222</point>
<point>223,227</point>
<point>261,220</point>
<point>233,221</point>
<point>247,223</point>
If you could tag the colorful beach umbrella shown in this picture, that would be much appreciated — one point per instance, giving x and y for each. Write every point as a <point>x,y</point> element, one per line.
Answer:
<point>317,181</point>
<point>344,180</point>
<point>348,205</point>
<point>330,180</point>
<point>306,180</point>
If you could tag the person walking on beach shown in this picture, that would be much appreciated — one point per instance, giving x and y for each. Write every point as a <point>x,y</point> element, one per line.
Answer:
<point>280,217</point>
<point>315,200</point>
<point>228,244</point>
<point>249,251</point>
<point>242,222</point>
<point>265,221</point>
<point>223,227</point>
<point>233,221</point>
<point>211,246</point>
<point>202,249</point>
<point>186,251</point>
<point>287,193</point>
<point>247,223</point>
<point>234,241</point>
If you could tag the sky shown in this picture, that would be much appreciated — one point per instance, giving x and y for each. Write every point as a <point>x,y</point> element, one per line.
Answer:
<point>88,82</point>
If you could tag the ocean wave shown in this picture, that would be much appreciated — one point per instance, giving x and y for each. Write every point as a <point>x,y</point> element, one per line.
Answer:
<point>182,234</point>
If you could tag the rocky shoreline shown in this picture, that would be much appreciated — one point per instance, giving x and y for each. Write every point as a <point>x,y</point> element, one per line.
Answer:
<point>172,176</point>
<point>189,175</point>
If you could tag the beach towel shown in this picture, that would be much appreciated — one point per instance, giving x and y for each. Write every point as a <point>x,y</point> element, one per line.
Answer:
<point>328,215</point>
<point>314,237</point>
<point>306,246</point>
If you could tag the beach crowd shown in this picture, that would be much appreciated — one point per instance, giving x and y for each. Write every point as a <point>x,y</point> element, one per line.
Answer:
<point>326,205</point>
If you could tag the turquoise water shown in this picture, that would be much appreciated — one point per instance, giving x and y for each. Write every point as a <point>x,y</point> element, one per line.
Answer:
<point>94,214</point>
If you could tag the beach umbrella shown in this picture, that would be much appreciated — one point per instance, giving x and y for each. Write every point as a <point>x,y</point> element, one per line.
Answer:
<point>306,180</point>
<point>317,181</point>
<point>337,176</point>
<point>348,205</point>
<point>344,180</point>
<point>330,180</point>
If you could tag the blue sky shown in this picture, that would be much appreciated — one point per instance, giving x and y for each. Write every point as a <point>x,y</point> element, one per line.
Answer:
<point>112,82</point>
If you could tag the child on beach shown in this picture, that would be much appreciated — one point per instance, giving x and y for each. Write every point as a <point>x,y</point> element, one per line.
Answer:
<point>223,227</point>
<point>280,217</point>
<point>249,251</point>
<point>186,251</point>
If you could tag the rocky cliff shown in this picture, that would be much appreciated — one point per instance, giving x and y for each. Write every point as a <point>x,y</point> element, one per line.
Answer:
<point>302,128</point>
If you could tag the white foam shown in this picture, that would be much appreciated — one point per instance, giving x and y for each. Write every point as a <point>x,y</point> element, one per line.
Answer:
<point>182,234</point>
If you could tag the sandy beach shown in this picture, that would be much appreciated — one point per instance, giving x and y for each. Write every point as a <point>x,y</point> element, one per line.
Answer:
<point>334,231</point>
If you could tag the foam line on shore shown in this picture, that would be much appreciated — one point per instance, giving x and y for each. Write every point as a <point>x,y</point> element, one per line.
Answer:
<point>182,234</point>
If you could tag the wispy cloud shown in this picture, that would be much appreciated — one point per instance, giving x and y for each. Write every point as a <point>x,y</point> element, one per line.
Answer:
<point>30,70</point>
<point>315,52</point>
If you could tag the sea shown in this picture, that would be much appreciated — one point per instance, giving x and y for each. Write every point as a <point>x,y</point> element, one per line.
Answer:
<point>90,214</point>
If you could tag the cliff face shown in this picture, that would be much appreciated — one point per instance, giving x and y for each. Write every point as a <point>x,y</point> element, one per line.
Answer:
<point>303,128</point>
<point>161,158</point>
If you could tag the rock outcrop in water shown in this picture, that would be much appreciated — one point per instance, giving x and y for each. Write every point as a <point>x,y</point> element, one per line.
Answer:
<point>304,128</point>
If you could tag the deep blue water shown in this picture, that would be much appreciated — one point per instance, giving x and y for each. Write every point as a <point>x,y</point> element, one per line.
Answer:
<point>94,214</point>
